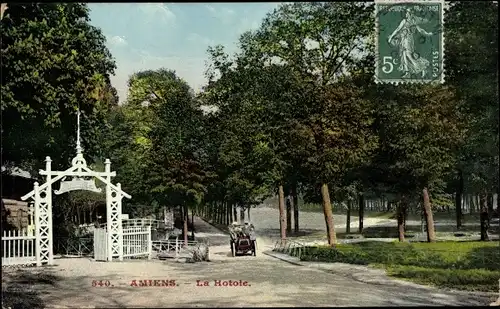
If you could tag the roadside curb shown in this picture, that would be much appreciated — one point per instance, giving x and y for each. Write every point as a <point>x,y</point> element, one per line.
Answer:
<point>277,256</point>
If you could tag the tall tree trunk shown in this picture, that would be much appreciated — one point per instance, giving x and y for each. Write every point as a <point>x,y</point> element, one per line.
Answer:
<point>361,209</point>
<point>400,210</point>
<point>248,211</point>
<point>489,203</point>
<point>222,212</point>
<point>348,217</point>
<point>235,213</point>
<point>429,218</point>
<point>242,215</point>
<point>281,204</point>
<point>213,213</point>
<point>406,211</point>
<point>185,217</point>
<point>327,210</point>
<point>498,202</point>
<point>228,213</point>
<point>288,215</point>
<point>219,212</point>
<point>458,199</point>
<point>295,200</point>
<point>192,223</point>
<point>483,216</point>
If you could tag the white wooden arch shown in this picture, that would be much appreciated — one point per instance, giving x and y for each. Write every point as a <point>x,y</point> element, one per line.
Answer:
<point>42,196</point>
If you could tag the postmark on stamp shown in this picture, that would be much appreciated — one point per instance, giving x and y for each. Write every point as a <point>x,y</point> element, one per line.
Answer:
<point>409,41</point>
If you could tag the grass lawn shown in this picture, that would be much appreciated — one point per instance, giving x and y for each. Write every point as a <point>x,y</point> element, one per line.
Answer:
<point>467,265</point>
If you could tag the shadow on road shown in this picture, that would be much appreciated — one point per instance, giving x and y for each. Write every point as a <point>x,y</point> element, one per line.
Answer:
<point>34,287</point>
<point>20,289</point>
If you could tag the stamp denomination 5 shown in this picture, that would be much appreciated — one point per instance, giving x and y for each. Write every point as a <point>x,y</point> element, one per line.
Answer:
<point>409,41</point>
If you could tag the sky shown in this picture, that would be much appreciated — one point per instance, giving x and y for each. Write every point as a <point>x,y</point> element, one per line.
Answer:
<point>174,36</point>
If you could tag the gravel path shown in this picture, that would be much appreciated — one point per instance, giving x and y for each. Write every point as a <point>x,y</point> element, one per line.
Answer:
<point>269,282</point>
<point>312,226</point>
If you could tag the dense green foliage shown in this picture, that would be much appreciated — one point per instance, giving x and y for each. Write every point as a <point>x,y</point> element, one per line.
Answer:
<point>53,61</point>
<point>294,108</point>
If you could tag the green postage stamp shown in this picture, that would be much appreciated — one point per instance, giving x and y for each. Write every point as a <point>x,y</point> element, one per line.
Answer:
<point>409,41</point>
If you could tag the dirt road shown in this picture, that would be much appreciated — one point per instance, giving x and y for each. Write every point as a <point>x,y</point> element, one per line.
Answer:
<point>230,282</point>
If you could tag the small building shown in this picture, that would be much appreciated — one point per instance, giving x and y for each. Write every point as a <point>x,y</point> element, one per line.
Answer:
<point>16,214</point>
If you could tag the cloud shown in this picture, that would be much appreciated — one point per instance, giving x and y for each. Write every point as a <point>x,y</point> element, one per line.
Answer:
<point>157,12</point>
<point>196,38</point>
<point>210,8</point>
<point>247,24</point>
<point>117,41</point>
<point>225,15</point>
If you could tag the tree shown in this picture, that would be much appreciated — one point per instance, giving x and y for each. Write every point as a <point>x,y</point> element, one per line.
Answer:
<point>177,173</point>
<point>53,62</point>
<point>253,107</point>
<point>474,73</point>
<point>419,128</point>
<point>320,42</point>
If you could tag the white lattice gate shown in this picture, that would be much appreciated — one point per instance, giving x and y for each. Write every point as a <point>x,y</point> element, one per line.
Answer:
<point>137,241</point>
<point>100,245</point>
<point>78,177</point>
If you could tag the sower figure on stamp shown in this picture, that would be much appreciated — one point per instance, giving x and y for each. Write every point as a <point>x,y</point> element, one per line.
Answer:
<point>410,61</point>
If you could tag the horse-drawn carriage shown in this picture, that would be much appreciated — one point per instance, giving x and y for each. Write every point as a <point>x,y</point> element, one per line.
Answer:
<point>243,239</point>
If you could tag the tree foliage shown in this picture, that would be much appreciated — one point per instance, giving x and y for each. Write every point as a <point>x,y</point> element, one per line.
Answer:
<point>295,109</point>
<point>53,61</point>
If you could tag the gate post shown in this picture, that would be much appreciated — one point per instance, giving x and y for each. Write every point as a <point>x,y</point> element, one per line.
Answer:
<point>150,244</point>
<point>118,217</point>
<point>113,214</point>
<point>37,225</point>
<point>109,241</point>
<point>48,192</point>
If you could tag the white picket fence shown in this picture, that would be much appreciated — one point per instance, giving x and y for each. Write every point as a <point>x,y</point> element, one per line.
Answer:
<point>18,247</point>
<point>137,241</point>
